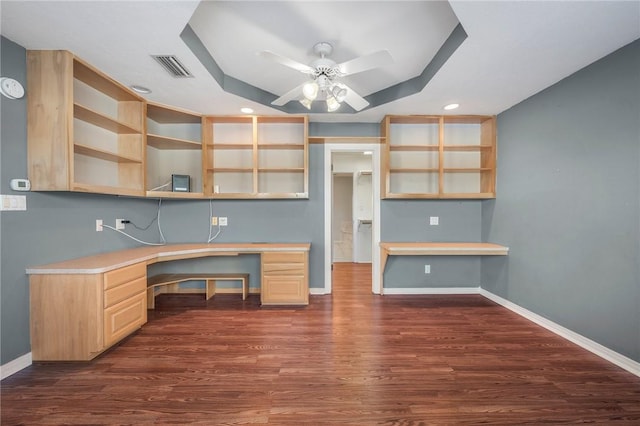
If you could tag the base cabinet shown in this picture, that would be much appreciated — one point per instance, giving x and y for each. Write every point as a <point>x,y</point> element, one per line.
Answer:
<point>285,279</point>
<point>75,317</point>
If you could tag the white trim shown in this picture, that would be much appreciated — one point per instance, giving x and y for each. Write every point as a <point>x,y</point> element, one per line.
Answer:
<point>315,291</point>
<point>16,365</point>
<point>588,344</point>
<point>375,225</point>
<point>432,290</point>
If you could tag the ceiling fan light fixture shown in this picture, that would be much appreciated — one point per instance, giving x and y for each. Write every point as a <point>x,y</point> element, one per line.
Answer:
<point>339,92</point>
<point>332,104</point>
<point>306,103</point>
<point>310,90</point>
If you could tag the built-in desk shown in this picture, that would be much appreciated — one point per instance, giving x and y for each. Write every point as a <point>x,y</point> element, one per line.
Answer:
<point>81,307</point>
<point>436,249</point>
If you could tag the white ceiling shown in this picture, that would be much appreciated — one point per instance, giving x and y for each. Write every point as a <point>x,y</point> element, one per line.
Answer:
<point>514,49</point>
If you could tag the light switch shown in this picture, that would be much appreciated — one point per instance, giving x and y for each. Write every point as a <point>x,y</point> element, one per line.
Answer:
<point>434,220</point>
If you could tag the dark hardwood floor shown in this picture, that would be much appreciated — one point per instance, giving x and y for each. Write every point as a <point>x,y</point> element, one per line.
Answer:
<point>351,359</point>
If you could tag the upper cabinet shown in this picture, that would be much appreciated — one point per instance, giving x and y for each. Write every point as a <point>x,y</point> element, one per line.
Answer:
<point>85,131</point>
<point>89,133</point>
<point>174,147</point>
<point>439,157</point>
<point>256,157</point>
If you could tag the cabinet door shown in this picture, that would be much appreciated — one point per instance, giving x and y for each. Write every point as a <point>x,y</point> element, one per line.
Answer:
<point>284,290</point>
<point>125,317</point>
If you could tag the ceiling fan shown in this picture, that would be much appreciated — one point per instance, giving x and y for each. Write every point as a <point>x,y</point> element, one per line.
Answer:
<point>325,75</point>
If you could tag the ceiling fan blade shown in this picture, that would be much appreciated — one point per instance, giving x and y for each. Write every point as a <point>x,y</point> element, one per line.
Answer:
<point>286,62</point>
<point>289,96</point>
<point>366,62</point>
<point>354,100</point>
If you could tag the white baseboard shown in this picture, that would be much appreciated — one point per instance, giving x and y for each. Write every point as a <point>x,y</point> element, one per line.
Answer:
<point>588,344</point>
<point>317,291</point>
<point>16,365</point>
<point>433,290</point>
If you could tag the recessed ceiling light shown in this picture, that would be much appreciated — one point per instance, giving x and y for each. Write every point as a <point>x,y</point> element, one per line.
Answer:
<point>140,89</point>
<point>246,110</point>
<point>451,106</point>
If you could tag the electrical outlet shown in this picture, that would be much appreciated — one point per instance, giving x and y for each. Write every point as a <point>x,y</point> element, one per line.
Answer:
<point>427,269</point>
<point>214,220</point>
<point>434,220</point>
<point>223,221</point>
<point>98,225</point>
<point>119,223</point>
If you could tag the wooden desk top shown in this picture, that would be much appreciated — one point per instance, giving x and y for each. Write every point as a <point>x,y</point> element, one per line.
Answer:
<point>444,249</point>
<point>105,262</point>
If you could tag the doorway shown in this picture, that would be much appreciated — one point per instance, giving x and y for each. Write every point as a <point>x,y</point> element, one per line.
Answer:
<point>352,208</point>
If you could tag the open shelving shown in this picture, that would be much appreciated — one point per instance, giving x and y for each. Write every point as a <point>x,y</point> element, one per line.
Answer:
<point>256,157</point>
<point>174,146</point>
<point>439,157</point>
<point>85,131</point>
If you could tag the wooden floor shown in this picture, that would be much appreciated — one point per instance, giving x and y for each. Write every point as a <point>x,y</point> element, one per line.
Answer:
<point>350,359</point>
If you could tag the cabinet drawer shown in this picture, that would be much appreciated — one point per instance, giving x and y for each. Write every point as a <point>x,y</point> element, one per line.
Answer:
<point>123,275</point>
<point>287,290</point>
<point>122,319</point>
<point>284,257</point>
<point>283,269</point>
<point>122,292</point>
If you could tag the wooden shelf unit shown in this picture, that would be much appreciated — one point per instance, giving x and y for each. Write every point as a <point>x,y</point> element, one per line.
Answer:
<point>85,131</point>
<point>439,157</point>
<point>81,307</point>
<point>256,156</point>
<point>174,146</point>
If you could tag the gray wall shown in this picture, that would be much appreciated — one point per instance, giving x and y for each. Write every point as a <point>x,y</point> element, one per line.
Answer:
<point>408,220</point>
<point>59,226</point>
<point>568,203</point>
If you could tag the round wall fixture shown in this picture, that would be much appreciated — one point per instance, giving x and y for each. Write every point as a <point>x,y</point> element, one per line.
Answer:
<point>11,88</point>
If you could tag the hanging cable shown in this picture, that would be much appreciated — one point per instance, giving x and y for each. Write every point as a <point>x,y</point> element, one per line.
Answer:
<point>161,186</point>
<point>156,219</point>
<point>132,237</point>
<point>210,225</point>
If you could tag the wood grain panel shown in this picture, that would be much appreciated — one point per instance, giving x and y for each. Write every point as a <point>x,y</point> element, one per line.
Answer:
<point>121,319</point>
<point>284,257</point>
<point>123,275</point>
<point>74,332</point>
<point>124,291</point>
<point>49,126</point>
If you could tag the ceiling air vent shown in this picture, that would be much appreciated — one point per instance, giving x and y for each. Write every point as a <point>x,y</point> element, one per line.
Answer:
<point>172,65</point>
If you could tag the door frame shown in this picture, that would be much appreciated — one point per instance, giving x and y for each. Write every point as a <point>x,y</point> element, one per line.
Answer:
<point>329,149</point>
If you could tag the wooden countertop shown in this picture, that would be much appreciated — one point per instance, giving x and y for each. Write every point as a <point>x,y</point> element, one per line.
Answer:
<point>444,249</point>
<point>104,262</point>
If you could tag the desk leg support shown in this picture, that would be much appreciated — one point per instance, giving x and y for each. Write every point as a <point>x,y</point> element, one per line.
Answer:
<point>383,263</point>
<point>245,287</point>
<point>211,288</point>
